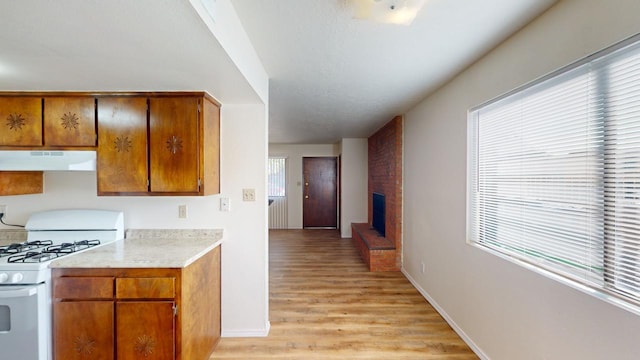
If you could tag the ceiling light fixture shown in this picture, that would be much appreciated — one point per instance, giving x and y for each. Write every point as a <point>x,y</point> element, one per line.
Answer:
<point>401,12</point>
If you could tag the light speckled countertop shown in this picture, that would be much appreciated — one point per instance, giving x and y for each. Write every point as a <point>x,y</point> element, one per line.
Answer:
<point>144,248</point>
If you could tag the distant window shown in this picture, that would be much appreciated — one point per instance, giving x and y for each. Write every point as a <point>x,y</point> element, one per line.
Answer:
<point>554,174</point>
<point>277,176</point>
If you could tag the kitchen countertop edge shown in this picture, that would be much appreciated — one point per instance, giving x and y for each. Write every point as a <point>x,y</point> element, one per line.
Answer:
<point>144,252</point>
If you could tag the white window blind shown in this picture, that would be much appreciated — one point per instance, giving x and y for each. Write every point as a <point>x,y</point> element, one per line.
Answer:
<point>277,177</point>
<point>554,173</point>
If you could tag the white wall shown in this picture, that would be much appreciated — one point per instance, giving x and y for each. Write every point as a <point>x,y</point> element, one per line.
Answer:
<point>354,172</point>
<point>245,292</point>
<point>245,263</point>
<point>228,30</point>
<point>294,154</point>
<point>244,133</point>
<point>506,311</point>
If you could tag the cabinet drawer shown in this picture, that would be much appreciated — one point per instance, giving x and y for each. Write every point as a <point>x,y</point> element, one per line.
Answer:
<point>145,288</point>
<point>83,288</point>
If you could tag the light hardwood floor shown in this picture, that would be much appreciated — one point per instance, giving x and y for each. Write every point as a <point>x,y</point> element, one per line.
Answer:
<point>324,304</point>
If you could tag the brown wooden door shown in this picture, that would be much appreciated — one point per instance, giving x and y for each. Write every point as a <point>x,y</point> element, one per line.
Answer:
<point>320,192</point>
<point>83,330</point>
<point>122,145</point>
<point>21,121</point>
<point>145,330</point>
<point>173,131</point>
<point>69,121</point>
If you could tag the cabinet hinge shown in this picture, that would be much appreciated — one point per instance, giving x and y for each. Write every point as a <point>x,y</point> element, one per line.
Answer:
<point>175,310</point>
<point>199,184</point>
<point>148,183</point>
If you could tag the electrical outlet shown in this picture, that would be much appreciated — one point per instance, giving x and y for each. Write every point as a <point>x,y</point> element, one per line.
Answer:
<point>248,194</point>
<point>3,210</point>
<point>422,267</point>
<point>224,204</point>
<point>182,211</point>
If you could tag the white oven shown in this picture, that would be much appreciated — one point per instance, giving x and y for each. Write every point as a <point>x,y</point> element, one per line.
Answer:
<point>25,277</point>
<point>24,322</point>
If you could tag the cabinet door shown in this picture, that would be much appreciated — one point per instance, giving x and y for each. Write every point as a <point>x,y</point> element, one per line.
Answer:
<point>21,182</point>
<point>83,330</point>
<point>122,145</point>
<point>211,144</point>
<point>146,330</point>
<point>173,131</point>
<point>69,121</point>
<point>20,121</point>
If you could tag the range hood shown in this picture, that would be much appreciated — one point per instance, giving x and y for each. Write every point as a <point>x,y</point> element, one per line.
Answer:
<point>47,160</point>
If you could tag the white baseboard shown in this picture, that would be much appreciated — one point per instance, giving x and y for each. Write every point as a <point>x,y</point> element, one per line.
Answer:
<point>447,318</point>
<point>247,333</point>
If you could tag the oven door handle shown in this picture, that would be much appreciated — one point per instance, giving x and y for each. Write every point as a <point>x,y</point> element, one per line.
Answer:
<point>22,292</point>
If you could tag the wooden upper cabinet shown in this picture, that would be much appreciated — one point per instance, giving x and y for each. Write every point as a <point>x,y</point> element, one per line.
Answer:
<point>21,182</point>
<point>158,144</point>
<point>174,144</point>
<point>210,162</point>
<point>122,145</point>
<point>21,121</point>
<point>69,121</point>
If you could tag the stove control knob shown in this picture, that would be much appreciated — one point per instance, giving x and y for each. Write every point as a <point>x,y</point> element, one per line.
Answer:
<point>17,277</point>
<point>4,277</point>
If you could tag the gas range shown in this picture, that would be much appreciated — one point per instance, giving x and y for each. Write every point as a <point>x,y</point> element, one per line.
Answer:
<point>53,234</point>
<point>22,263</point>
<point>25,276</point>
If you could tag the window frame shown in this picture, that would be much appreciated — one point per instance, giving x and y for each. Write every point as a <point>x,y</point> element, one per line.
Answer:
<point>602,292</point>
<point>284,177</point>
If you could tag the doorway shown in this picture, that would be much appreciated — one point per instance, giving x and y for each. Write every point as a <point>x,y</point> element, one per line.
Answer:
<point>320,192</point>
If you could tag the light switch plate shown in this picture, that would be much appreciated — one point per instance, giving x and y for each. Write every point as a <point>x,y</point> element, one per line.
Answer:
<point>248,194</point>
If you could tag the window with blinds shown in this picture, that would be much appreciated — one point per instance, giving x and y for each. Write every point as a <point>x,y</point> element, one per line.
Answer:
<point>277,177</point>
<point>554,174</point>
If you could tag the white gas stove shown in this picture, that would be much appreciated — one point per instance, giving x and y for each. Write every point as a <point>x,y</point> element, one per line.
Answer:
<point>25,289</point>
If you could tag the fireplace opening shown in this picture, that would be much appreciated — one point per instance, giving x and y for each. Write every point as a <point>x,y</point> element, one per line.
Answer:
<point>378,216</point>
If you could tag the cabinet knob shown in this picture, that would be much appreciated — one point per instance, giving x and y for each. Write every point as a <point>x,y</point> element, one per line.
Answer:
<point>306,196</point>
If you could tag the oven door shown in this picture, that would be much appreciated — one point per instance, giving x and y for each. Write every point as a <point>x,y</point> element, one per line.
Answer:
<point>24,322</point>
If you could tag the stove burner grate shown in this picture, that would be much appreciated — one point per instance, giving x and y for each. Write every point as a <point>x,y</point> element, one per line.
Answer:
<point>50,252</point>
<point>15,248</point>
<point>68,248</point>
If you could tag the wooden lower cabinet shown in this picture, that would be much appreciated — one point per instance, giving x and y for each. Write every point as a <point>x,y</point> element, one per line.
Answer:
<point>146,330</point>
<point>84,330</point>
<point>137,313</point>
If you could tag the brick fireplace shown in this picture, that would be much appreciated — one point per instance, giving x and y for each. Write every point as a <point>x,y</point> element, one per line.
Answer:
<point>385,177</point>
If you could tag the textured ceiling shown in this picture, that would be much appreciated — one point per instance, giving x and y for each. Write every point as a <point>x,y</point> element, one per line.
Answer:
<point>331,76</point>
<point>334,77</point>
